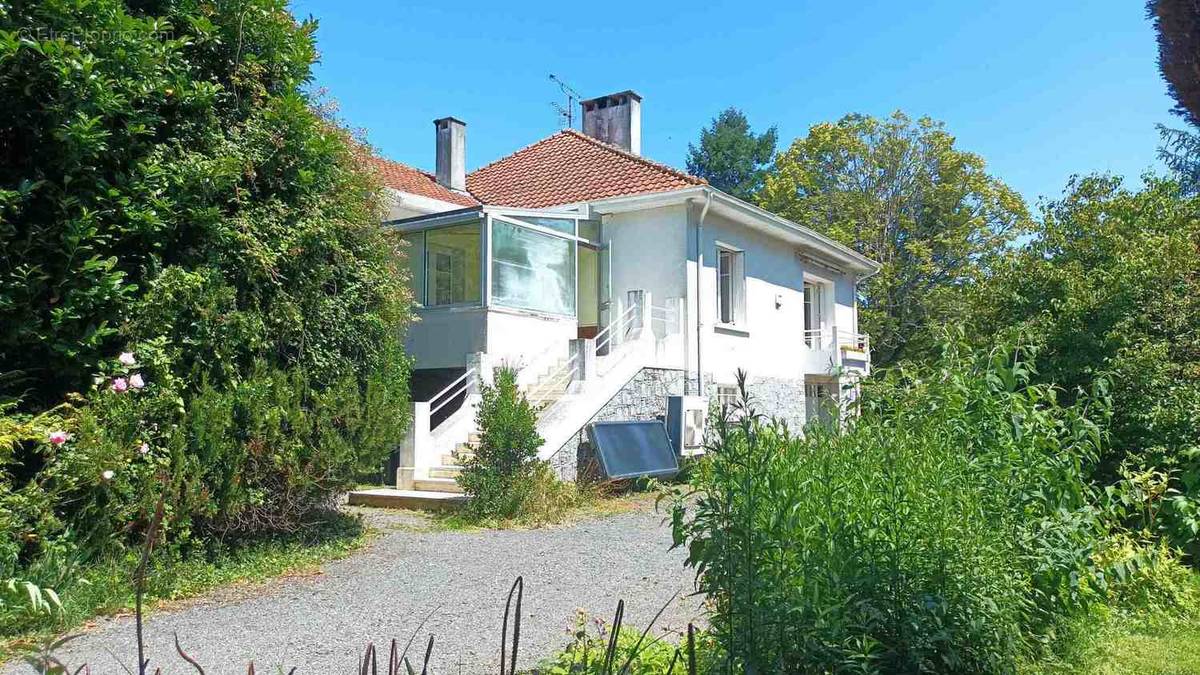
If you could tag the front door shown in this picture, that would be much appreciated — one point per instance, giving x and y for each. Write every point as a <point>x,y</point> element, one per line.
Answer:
<point>589,290</point>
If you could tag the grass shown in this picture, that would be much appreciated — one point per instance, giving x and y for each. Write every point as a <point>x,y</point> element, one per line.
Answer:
<point>1130,641</point>
<point>105,588</point>
<point>590,504</point>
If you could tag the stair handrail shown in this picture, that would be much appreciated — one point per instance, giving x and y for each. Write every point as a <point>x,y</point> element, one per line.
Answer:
<point>622,321</point>
<point>544,383</point>
<point>455,385</point>
<point>668,315</point>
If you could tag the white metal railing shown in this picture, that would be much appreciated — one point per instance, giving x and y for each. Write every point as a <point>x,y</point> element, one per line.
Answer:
<point>604,337</point>
<point>459,386</point>
<point>814,338</point>
<point>667,316</point>
<point>857,341</point>
<point>556,380</point>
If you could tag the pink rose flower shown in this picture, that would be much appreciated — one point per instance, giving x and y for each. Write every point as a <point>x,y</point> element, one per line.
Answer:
<point>59,437</point>
<point>136,381</point>
<point>119,385</point>
<point>127,359</point>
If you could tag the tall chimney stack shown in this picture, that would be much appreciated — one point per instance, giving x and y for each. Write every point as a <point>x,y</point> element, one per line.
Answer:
<point>615,119</point>
<point>451,153</point>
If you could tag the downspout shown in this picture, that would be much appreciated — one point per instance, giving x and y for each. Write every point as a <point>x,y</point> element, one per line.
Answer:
<point>708,195</point>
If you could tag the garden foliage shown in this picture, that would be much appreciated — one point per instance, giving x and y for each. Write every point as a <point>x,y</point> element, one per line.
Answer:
<point>504,478</point>
<point>195,293</point>
<point>1110,287</point>
<point>947,529</point>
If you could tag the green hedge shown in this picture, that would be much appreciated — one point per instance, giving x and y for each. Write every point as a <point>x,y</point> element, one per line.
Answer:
<point>170,188</point>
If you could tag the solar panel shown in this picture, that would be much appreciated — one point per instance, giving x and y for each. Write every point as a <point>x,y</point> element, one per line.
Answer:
<point>633,449</point>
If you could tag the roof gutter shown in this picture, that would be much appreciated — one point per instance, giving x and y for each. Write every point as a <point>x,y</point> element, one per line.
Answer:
<point>821,243</point>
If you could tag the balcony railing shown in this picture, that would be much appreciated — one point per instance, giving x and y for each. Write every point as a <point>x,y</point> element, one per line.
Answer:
<point>823,338</point>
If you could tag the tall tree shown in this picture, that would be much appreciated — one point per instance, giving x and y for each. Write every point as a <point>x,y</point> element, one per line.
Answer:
<point>898,191</point>
<point>732,157</point>
<point>1178,25</point>
<point>1110,285</point>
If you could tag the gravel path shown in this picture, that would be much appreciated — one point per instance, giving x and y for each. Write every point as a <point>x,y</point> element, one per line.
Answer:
<point>322,622</point>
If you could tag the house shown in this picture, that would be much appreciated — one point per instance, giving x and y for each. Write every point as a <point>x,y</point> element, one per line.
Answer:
<point>610,281</point>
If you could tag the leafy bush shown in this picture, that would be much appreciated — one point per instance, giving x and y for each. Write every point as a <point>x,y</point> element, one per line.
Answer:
<point>505,479</point>
<point>170,189</point>
<point>946,529</point>
<point>1110,287</point>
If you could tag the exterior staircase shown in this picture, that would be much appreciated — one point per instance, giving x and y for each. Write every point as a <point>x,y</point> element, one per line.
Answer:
<point>444,477</point>
<point>551,384</point>
<point>566,390</point>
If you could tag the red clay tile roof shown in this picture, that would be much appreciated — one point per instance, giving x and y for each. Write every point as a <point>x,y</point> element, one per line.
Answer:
<point>414,181</point>
<point>570,167</point>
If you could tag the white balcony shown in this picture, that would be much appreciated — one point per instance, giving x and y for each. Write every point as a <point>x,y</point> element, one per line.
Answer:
<point>826,350</point>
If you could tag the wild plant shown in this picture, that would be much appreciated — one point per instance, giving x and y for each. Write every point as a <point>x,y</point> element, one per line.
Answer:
<point>943,528</point>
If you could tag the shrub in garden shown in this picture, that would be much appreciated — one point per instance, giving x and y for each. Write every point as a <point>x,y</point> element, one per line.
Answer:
<point>191,257</point>
<point>505,479</point>
<point>946,529</point>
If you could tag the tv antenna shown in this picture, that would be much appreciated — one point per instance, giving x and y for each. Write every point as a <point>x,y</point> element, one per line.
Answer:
<point>566,113</point>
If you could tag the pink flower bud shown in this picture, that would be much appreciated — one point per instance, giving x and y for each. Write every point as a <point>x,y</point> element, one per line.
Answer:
<point>59,437</point>
<point>119,385</point>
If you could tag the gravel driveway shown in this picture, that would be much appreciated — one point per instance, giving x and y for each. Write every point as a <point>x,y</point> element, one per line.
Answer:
<point>321,623</point>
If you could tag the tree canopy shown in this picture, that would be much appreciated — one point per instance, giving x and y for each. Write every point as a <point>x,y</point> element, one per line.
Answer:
<point>732,157</point>
<point>1109,287</point>
<point>1178,25</point>
<point>900,192</point>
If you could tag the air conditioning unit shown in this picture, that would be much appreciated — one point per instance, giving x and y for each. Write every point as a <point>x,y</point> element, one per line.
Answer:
<point>686,416</point>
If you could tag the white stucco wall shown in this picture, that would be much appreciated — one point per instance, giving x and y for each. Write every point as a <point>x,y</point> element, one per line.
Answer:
<point>648,252</point>
<point>770,341</point>
<point>523,338</point>
<point>654,250</point>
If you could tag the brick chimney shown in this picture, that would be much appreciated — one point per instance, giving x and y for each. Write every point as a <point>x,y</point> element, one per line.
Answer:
<point>451,153</point>
<point>615,119</point>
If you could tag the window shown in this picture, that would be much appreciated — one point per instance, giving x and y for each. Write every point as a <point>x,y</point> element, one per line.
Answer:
<point>444,265</point>
<point>820,404</point>
<point>727,395</point>
<point>814,302</point>
<point>564,225</point>
<point>415,252</point>
<point>731,287</point>
<point>532,270</point>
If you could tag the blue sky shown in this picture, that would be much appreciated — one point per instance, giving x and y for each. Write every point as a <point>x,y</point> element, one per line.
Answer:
<point>1041,90</point>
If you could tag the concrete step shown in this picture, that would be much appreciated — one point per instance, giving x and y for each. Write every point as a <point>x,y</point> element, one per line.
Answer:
<point>437,485</point>
<point>474,438</point>
<point>447,471</point>
<point>390,498</point>
<point>456,458</point>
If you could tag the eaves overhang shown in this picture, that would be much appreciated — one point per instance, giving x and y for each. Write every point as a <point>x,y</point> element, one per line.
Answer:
<point>746,213</point>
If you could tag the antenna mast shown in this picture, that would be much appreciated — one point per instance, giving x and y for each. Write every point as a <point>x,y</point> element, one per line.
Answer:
<point>566,113</point>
